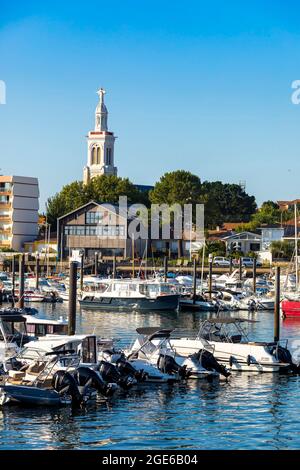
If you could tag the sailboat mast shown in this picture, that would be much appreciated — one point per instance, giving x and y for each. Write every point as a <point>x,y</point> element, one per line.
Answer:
<point>296,244</point>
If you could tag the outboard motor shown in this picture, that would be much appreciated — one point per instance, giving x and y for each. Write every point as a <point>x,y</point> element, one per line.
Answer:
<point>64,382</point>
<point>209,362</point>
<point>110,373</point>
<point>284,355</point>
<point>252,305</point>
<point>168,365</point>
<point>126,369</point>
<point>88,377</point>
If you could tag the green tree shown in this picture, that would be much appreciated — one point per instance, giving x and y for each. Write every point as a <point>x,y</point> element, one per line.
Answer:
<point>269,213</point>
<point>282,249</point>
<point>177,187</point>
<point>226,203</point>
<point>104,188</point>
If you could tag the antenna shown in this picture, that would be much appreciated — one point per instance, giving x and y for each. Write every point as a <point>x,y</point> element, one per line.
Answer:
<point>242,184</point>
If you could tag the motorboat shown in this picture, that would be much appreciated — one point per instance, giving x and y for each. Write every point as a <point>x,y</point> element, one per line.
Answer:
<point>45,382</point>
<point>38,327</point>
<point>13,332</point>
<point>199,302</point>
<point>154,346</point>
<point>232,348</point>
<point>132,294</point>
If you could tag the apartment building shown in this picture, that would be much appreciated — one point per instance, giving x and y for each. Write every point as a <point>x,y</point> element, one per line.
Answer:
<point>19,205</point>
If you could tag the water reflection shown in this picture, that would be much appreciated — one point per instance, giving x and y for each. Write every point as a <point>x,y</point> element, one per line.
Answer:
<point>249,411</point>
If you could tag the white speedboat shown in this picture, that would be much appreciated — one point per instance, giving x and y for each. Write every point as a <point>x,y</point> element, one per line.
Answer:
<point>232,348</point>
<point>154,345</point>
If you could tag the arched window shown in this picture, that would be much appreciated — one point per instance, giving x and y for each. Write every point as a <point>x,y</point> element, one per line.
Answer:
<point>93,156</point>
<point>98,155</point>
<point>108,156</point>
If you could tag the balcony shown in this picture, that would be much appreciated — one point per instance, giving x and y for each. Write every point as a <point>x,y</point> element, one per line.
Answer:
<point>5,243</point>
<point>5,205</point>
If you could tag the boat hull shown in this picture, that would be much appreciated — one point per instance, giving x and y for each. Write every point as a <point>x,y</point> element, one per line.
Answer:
<point>164,302</point>
<point>27,395</point>
<point>291,308</point>
<point>233,356</point>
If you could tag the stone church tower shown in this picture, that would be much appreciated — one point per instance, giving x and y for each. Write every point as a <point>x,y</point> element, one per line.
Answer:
<point>100,145</point>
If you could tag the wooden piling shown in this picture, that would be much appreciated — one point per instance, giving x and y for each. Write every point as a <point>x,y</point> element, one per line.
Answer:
<point>114,270</point>
<point>165,268</point>
<point>21,280</point>
<point>37,271</point>
<point>210,277</point>
<point>13,279</point>
<point>254,275</point>
<point>277,305</point>
<point>72,298</point>
<point>194,280</point>
<point>81,270</point>
<point>96,264</point>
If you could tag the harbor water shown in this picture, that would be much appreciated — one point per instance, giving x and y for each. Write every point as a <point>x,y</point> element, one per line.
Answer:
<point>250,411</point>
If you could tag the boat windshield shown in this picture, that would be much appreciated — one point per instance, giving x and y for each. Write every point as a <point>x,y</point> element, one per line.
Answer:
<point>11,329</point>
<point>226,330</point>
<point>151,290</point>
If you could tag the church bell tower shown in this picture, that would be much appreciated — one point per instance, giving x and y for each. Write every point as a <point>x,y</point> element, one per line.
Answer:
<point>100,145</point>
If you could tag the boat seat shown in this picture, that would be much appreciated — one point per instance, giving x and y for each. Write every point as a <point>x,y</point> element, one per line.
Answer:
<point>16,374</point>
<point>35,368</point>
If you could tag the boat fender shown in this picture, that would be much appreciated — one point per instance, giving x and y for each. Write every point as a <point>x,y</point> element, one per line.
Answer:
<point>231,360</point>
<point>249,360</point>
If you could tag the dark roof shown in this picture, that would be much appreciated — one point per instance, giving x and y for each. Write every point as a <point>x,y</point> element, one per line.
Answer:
<point>143,187</point>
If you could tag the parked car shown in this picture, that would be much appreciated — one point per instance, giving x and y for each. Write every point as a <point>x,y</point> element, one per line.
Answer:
<point>247,262</point>
<point>220,261</point>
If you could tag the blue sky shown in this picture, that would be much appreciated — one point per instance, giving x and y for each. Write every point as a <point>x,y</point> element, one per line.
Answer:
<point>196,85</point>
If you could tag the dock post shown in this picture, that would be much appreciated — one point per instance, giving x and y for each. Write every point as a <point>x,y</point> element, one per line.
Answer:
<point>21,280</point>
<point>194,280</point>
<point>240,269</point>
<point>13,279</point>
<point>165,268</point>
<point>254,275</point>
<point>72,298</point>
<point>230,266</point>
<point>37,270</point>
<point>210,277</point>
<point>96,264</point>
<point>277,305</point>
<point>114,270</point>
<point>81,270</point>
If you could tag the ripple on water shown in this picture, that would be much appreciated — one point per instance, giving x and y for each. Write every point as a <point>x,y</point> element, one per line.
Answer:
<point>251,411</point>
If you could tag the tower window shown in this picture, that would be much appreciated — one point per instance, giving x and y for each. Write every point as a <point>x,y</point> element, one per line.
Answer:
<point>93,156</point>
<point>108,156</point>
<point>98,155</point>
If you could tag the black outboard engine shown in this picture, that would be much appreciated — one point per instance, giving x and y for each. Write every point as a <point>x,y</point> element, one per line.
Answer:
<point>168,365</point>
<point>252,305</point>
<point>110,373</point>
<point>64,382</point>
<point>88,377</point>
<point>126,369</point>
<point>209,362</point>
<point>284,355</point>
